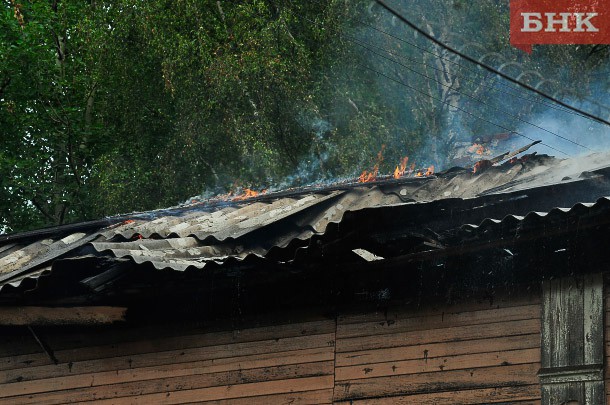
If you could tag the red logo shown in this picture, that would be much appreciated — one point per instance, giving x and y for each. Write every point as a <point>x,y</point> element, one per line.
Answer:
<point>536,22</point>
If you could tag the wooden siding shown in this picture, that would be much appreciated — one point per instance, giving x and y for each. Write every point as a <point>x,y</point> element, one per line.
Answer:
<point>472,353</point>
<point>266,365</point>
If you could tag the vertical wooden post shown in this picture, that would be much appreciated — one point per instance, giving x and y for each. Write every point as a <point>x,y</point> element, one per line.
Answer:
<point>573,341</point>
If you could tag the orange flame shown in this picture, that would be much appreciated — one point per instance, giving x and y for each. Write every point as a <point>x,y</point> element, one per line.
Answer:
<point>521,159</point>
<point>248,193</point>
<point>367,177</point>
<point>400,170</point>
<point>481,166</point>
<point>478,149</point>
<point>429,172</point>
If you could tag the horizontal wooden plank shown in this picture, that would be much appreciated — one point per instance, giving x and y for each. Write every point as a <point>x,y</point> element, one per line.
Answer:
<point>535,402</point>
<point>79,351</point>
<point>223,393</point>
<point>217,332</point>
<point>29,315</point>
<point>439,320</point>
<point>148,347</point>
<point>479,378</point>
<point>221,381</point>
<point>522,395</point>
<point>61,381</point>
<point>207,353</point>
<point>438,364</point>
<point>439,349</point>
<point>472,332</point>
<point>302,398</point>
<point>405,312</point>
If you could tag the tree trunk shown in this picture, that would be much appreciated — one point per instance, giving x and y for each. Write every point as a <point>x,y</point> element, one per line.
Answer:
<point>448,86</point>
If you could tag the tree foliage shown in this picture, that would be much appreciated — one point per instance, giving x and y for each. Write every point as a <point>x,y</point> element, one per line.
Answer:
<point>117,106</point>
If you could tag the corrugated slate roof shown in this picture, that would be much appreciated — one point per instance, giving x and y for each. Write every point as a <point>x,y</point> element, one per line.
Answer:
<point>534,219</point>
<point>197,235</point>
<point>197,238</point>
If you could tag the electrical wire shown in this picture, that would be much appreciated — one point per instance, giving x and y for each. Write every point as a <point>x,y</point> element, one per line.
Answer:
<point>532,99</point>
<point>536,99</point>
<point>446,102</point>
<point>367,47</point>
<point>469,80</point>
<point>506,85</point>
<point>469,95</point>
<point>458,108</point>
<point>486,67</point>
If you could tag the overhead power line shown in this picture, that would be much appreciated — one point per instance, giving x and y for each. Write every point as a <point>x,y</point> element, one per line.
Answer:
<point>457,107</point>
<point>486,67</point>
<point>364,45</point>
<point>514,94</point>
<point>368,47</point>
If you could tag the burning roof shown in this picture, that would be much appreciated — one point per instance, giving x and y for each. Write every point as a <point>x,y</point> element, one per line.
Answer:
<point>411,218</point>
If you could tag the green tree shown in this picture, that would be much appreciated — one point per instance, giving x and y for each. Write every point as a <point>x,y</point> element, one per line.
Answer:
<point>44,117</point>
<point>117,106</point>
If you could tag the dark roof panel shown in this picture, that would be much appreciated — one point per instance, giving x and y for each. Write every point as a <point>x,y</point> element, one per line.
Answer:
<point>275,226</point>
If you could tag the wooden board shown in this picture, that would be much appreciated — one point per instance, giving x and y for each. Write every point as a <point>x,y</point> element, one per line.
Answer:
<point>318,397</point>
<point>572,340</point>
<point>438,364</point>
<point>523,395</point>
<point>208,353</point>
<point>218,331</point>
<point>437,321</point>
<point>254,390</point>
<point>498,302</point>
<point>472,351</point>
<point>97,378</point>
<point>479,378</point>
<point>253,362</point>
<point>226,381</point>
<point>470,354</point>
<point>430,350</point>
<point>491,330</point>
<point>61,316</point>
<point>155,345</point>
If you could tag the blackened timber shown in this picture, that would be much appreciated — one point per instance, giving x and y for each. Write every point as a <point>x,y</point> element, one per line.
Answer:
<point>30,315</point>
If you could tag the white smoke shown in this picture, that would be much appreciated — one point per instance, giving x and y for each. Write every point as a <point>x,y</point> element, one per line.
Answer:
<point>592,135</point>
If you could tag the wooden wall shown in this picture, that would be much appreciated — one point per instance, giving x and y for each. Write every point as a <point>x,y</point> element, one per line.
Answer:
<point>471,353</point>
<point>287,364</point>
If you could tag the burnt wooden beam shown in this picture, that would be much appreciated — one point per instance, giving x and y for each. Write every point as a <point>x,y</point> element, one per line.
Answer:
<point>29,315</point>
